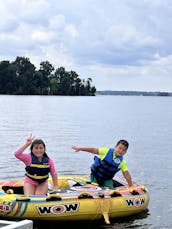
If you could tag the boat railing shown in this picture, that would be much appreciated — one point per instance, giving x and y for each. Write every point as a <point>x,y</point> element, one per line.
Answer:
<point>23,224</point>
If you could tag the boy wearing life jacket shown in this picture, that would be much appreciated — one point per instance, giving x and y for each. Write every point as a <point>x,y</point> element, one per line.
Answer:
<point>109,162</point>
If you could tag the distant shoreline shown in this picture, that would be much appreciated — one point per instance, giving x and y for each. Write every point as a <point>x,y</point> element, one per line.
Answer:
<point>138,93</point>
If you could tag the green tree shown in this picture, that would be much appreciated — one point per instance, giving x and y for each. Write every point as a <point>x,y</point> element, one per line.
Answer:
<point>8,82</point>
<point>43,75</point>
<point>25,71</point>
<point>21,77</point>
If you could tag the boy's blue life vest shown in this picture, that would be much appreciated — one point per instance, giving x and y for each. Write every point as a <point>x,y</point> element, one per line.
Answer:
<point>38,171</point>
<point>105,169</point>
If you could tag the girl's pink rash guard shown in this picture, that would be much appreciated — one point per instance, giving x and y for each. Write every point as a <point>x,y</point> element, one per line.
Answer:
<point>27,159</point>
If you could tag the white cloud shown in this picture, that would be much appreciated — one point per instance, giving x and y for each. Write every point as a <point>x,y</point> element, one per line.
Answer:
<point>71,31</point>
<point>42,36</point>
<point>125,46</point>
<point>57,22</point>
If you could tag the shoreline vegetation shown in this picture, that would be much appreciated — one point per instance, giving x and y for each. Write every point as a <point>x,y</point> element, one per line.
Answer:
<point>21,77</point>
<point>136,93</point>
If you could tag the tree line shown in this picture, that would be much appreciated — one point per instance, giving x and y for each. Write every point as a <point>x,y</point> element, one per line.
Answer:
<point>20,77</point>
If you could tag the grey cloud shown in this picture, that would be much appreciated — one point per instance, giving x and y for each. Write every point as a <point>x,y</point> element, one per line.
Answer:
<point>88,32</point>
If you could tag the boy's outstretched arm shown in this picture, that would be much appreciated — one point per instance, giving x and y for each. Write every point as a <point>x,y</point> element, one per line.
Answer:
<point>86,149</point>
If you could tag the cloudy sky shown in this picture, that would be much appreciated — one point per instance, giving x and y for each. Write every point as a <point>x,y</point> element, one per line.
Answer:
<point>120,44</point>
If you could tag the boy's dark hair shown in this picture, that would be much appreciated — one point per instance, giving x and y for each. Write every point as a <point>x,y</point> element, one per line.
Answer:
<point>123,142</point>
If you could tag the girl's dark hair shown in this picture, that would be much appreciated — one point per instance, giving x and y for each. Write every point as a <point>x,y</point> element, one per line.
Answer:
<point>38,142</point>
<point>123,142</point>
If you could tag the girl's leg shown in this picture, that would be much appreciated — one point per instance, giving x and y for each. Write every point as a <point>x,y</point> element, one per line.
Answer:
<point>42,188</point>
<point>29,189</point>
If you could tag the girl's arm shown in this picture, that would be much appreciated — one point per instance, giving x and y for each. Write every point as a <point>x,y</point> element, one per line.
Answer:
<point>28,142</point>
<point>86,149</point>
<point>55,181</point>
<point>26,158</point>
<point>53,174</point>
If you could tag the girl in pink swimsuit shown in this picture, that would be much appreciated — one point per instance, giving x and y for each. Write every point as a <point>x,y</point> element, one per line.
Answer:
<point>38,166</point>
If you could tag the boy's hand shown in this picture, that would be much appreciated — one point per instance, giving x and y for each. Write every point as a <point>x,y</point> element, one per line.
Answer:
<point>76,148</point>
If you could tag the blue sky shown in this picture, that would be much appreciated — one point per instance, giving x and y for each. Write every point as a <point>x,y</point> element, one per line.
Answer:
<point>120,44</point>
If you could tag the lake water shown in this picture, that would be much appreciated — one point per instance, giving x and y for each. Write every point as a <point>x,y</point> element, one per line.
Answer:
<point>100,121</point>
